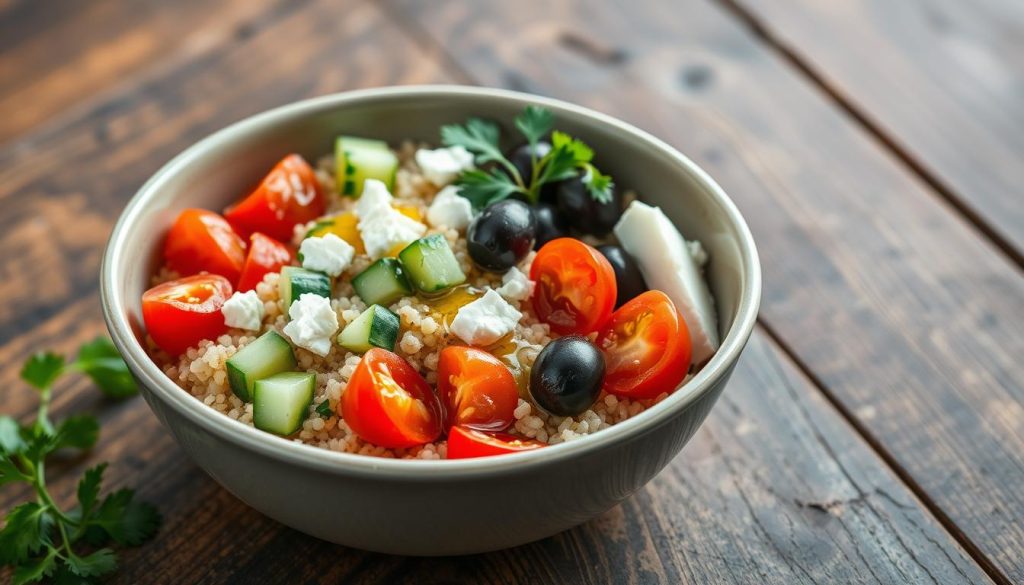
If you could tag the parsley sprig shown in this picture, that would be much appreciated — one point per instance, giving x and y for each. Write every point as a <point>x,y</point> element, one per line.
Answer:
<point>568,157</point>
<point>39,539</point>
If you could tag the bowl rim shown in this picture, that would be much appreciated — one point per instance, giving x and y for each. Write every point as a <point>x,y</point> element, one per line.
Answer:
<point>162,388</point>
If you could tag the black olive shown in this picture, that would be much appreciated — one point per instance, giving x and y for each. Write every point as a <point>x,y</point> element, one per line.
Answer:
<point>585,213</point>
<point>520,157</point>
<point>550,224</point>
<point>628,280</point>
<point>502,235</point>
<point>567,376</point>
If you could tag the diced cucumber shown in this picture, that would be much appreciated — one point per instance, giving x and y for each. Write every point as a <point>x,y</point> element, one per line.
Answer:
<point>358,159</point>
<point>296,282</point>
<point>383,283</point>
<point>376,327</point>
<point>270,354</point>
<point>430,264</point>
<point>281,402</point>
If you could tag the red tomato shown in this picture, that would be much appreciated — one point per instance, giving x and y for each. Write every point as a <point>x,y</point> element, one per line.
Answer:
<point>646,347</point>
<point>575,286</point>
<point>201,241</point>
<point>464,443</point>
<point>265,255</point>
<point>288,195</point>
<point>181,313</point>
<point>389,404</point>
<point>477,389</point>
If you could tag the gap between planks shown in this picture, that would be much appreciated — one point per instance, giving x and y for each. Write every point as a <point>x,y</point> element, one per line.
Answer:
<point>939,188</point>
<point>423,38</point>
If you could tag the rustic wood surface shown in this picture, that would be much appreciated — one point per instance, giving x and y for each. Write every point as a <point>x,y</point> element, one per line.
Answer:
<point>872,433</point>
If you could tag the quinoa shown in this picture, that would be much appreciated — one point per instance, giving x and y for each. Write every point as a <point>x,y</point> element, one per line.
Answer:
<point>201,371</point>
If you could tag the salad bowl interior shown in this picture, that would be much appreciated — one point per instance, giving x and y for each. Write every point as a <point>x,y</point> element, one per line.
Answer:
<point>428,507</point>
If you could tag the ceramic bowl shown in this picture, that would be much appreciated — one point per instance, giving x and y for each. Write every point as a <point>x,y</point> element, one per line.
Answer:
<point>428,507</point>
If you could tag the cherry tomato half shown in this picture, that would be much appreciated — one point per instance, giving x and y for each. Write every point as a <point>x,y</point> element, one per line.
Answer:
<point>464,443</point>
<point>646,347</point>
<point>288,195</point>
<point>180,313</point>
<point>201,241</point>
<point>575,286</point>
<point>265,255</point>
<point>477,389</point>
<point>389,404</point>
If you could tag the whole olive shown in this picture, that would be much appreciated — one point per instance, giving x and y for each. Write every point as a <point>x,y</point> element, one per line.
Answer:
<point>628,280</point>
<point>550,224</point>
<point>584,213</point>
<point>501,235</point>
<point>567,376</point>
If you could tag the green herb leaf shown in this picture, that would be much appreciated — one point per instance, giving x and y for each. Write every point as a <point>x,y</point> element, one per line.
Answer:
<point>34,571</point>
<point>122,518</point>
<point>581,153</point>
<point>599,186</point>
<point>10,436</point>
<point>324,409</point>
<point>89,489</point>
<point>98,563</point>
<point>483,189</point>
<point>477,136</point>
<point>535,122</point>
<point>100,361</point>
<point>25,532</point>
<point>558,165</point>
<point>42,369</point>
<point>63,576</point>
<point>40,441</point>
<point>10,473</point>
<point>78,432</point>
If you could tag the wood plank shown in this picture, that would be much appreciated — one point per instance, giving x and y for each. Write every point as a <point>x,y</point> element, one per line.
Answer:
<point>774,485</point>
<point>54,59</point>
<point>907,317</point>
<point>942,79</point>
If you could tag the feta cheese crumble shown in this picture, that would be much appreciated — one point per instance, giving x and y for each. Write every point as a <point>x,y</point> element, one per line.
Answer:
<point>382,227</point>
<point>313,323</point>
<point>442,165</point>
<point>485,320</point>
<point>243,310</point>
<point>449,209</point>
<point>328,254</point>
<point>516,286</point>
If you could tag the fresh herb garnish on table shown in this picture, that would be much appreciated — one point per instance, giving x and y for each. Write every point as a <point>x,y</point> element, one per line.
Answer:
<point>39,539</point>
<point>567,157</point>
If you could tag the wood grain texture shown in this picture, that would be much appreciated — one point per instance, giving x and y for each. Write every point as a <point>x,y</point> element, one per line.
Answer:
<point>900,310</point>
<point>943,79</point>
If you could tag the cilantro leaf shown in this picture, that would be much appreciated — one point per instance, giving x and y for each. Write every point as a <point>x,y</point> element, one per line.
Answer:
<point>98,563</point>
<point>581,153</point>
<point>63,576</point>
<point>557,165</point>
<point>10,473</point>
<point>42,369</point>
<point>34,571</point>
<point>324,409</point>
<point>483,189</point>
<point>78,431</point>
<point>100,360</point>
<point>10,436</point>
<point>89,489</point>
<point>599,186</point>
<point>477,136</point>
<point>25,532</point>
<point>534,123</point>
<point>122,518</point>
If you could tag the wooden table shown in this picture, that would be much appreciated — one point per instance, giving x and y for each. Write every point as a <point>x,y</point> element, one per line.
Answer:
<point>874,430</point>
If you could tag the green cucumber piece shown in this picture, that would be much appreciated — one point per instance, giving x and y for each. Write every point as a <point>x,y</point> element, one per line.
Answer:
<point>358,159</point>
<point>281,402</point>
<point>375,327</point>
<point>382,283</point>
<point>270,354</point>
<point>295,282</point>
<point>430,264</point>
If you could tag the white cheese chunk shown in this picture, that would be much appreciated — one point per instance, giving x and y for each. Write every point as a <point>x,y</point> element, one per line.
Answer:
<point>382,227</point>
<point>442,165</point>
<point>313,323</point>
<point>328,254</point>
<point>243,310</point>
<point>485,320</point>
<point>516,286</point>
<point>449,209</point>
<point>669,265</point>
